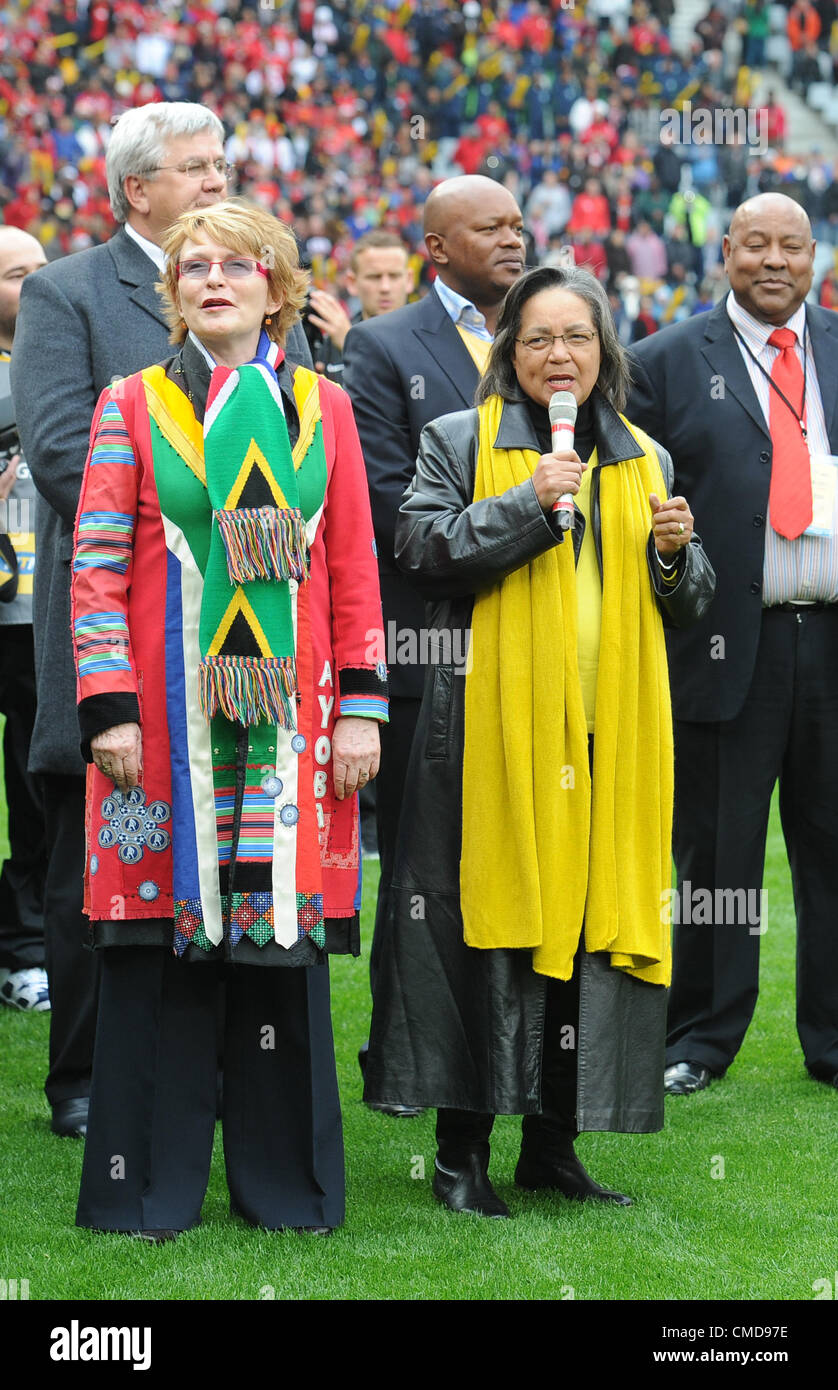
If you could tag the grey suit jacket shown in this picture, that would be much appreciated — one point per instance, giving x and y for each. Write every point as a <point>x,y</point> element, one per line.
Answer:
<point>83,321</point>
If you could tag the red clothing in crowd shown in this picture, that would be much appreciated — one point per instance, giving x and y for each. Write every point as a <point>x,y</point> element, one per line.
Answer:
<point>590,210</point>
<point>803,26</point>
<point>772,122</point>
<point>592,256</point>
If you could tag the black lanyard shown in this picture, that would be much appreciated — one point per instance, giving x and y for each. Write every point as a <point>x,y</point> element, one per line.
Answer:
<point>773,384</point>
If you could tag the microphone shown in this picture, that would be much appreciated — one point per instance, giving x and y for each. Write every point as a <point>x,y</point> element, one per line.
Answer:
<point>563,411</point>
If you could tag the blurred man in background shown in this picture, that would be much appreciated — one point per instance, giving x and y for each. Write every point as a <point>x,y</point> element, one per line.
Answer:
<point>380,277</point>
<point>23,979</point>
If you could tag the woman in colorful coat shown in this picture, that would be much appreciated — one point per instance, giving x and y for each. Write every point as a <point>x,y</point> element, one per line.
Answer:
<point>225,602</point>
<point>526,965</point>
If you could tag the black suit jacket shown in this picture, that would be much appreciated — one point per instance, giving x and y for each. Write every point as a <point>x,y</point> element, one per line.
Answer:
<point>83,320</point>
<point>402,370</point>
<point>692,392</point>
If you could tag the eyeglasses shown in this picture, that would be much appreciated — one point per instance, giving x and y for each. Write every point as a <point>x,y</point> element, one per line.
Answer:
<point>233,268</point>
<point>542,342</point>
<point>197,168</point>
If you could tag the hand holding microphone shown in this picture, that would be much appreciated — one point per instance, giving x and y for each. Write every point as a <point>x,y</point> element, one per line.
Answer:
<point>559,474</point>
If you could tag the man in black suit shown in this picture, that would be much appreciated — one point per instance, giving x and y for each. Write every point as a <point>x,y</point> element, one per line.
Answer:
<point>402,370</point>
<point>84,322</point>
<point>748,422</point>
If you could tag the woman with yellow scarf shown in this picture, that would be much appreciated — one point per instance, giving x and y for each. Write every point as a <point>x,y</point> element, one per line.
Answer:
<point>528,956</point>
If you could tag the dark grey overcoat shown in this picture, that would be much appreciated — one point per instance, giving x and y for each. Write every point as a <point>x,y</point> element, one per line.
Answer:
<point>453,1026</point>
<point>83,321</point>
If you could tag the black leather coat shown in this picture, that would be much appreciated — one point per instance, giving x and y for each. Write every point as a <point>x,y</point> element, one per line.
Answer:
<point>454,1026</point>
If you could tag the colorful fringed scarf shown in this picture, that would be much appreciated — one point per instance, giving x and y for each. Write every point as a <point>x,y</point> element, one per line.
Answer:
<point>258,545</point>
<point>540,854</point>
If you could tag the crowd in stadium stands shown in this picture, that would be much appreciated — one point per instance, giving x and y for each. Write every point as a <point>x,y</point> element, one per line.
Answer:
<point>342,116</point>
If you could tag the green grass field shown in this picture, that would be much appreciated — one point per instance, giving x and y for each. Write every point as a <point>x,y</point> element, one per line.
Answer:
<point>766,1229</point>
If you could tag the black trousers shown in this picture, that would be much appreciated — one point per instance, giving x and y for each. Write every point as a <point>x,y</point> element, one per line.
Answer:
<point>24,872</point>
<point>73,969</point>
<point>153,1099</point>
<point>724,777</point>
<point>549,1135</point>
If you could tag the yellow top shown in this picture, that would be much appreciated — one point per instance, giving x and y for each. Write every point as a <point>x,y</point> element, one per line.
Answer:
<point>588,603</point>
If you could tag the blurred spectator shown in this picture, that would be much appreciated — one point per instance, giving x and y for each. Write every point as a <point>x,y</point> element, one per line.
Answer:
<point>379,276</point>
<point>616,254</point>
<point>680,251</point>
<point>803,25</point>
<point>591,210</point>
<point>773,122</point>
<point>828,290</point>
<point>646,252</point>
<point>667,163</point>
<point>711,29</point>
<point>550,202</point>
<point>756,21</point>
<point>806,68</point>
<point>694,211</point>
<point>589,252</point>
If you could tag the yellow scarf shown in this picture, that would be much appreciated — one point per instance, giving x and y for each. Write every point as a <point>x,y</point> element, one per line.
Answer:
<point>540,854</point>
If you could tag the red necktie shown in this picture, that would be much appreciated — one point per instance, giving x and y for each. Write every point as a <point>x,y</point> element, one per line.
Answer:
<point>790,496</point>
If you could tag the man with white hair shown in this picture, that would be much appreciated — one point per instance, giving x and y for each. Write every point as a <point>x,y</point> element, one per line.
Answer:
<point>86,321</point>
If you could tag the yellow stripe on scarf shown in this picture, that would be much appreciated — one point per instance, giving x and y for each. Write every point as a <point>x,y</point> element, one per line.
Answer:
<point>172,412</point>
<point>541,855</point>
<point>307,399</point>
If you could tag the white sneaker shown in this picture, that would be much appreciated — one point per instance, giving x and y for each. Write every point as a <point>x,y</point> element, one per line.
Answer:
<point>25,989</point>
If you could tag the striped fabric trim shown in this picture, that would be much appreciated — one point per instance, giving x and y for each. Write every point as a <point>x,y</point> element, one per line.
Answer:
<point>104,541</point>
<point>101,643</point>
<point>364,707</point>
<point>112,444</point>
<point>257,825</point>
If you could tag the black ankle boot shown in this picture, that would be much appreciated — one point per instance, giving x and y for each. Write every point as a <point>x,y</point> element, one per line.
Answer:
<point>566,1175</point>
<point>467,1188</point>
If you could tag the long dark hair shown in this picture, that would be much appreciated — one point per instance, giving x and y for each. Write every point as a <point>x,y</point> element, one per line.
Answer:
<point>499,378</point>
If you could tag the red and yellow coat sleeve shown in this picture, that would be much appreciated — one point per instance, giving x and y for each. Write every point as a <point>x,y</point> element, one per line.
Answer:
<point>357,636</point>
<point>101,579</point>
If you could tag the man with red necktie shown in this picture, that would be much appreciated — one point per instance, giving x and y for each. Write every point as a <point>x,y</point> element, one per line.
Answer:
<point>745,398</point>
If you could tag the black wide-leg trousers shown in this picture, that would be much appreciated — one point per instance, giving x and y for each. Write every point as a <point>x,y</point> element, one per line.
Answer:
<point>724,777</point>
<point>153,1095</point>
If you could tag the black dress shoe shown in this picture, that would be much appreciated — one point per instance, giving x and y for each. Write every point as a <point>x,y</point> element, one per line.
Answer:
<point>69,1118</point>
<point>467,1189</point>
<point>683,1078</point>
<point>401,1112</point>
<point>155,1237</point>
<point>568,1176</point>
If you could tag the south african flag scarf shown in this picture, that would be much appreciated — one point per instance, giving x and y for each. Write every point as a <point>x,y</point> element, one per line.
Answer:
<point>258,545</point>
